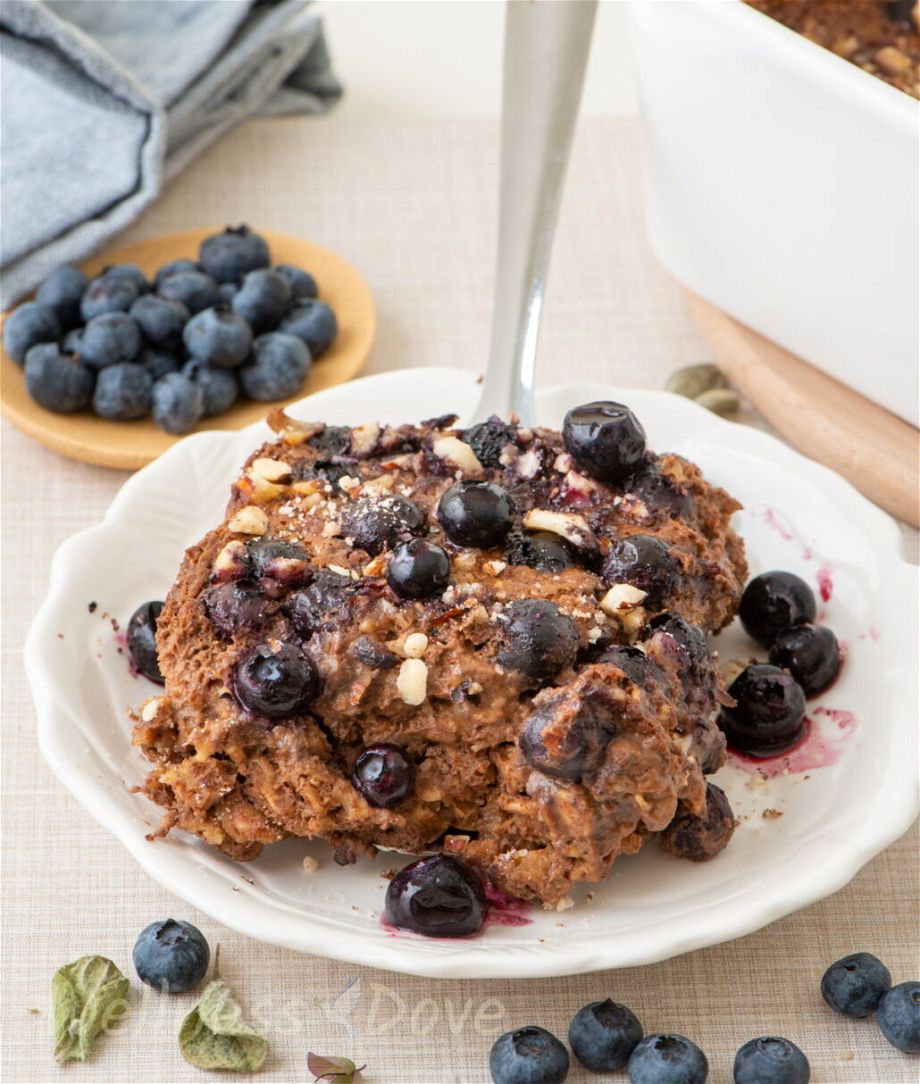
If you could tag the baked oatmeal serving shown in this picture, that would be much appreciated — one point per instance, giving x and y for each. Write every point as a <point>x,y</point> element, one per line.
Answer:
<point>487,644</point>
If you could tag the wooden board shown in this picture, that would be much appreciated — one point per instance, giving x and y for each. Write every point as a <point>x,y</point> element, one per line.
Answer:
<point>872,448</point>
<point>130,445</point>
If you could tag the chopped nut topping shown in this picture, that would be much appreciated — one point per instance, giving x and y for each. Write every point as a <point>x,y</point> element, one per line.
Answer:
<point>293,431</point>
<point>412,681</point>
<point>892,60</point>
<point>248,520</point>
<point>364,439</point>
<point>348,483</point>
<point>272,470</point>
<point>496,568</point>
<point>382,484</point>
<point>150,709</point>
<point>622,596</point>
<point>455,451</point>
<point>573,528</point>
<point>376,567</point>
<point>415,645</point>
<point>258,489</point>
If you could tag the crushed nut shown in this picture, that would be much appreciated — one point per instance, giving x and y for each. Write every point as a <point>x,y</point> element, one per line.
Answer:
<point>382,484</point>
<point>496,568</point>
<point>347,483</point>
<point>455,451</point>
<point>248,520</point>
<point>415,645</point>
<point>573,528</point>
<point>272,470</point>
<point>310,865</point>
<point>622,596</point>
<point>412,682</point>
<point>892,60</point>
<point>291,430</point>
<point>150,709</point>
<point>376,566</point>
<point>257,489</point>
<point>364,439</point>
<point>563,904</point>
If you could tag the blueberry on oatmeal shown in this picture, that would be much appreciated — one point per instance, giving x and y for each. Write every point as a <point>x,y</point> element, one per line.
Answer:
<point>275,682</point>
<point>605,439</point>
<point>418,569</point>
<point>474,513</point>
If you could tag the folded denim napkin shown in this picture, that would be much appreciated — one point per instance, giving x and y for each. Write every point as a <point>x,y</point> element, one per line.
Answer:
<point>104,100</point>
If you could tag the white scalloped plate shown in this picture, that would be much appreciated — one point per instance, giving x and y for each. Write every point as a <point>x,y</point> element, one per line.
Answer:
<point>797,516</point>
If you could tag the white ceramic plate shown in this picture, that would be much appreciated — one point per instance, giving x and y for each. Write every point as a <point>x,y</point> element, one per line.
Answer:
<point>797,516</point>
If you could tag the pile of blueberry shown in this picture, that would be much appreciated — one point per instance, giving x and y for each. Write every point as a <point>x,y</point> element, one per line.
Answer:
<point>183,347</point>
<point>778,611</point>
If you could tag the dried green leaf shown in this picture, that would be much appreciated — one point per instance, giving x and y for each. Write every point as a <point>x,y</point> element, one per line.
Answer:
<point>694,380</point>
<point>334,1070</point>
<point>215,1036</point>
<point>719,400</point>
<point>88,996</point>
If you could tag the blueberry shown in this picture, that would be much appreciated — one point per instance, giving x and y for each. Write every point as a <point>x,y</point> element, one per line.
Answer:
<point>314,322</point>
<point>528,1055</point>
<point>332,440</point>
<point>302,283</point>
<point>109,338</point>
<point>218,336</point>
<point>773,602</point>
<point>57,381</point>
<point>438,896</point>
<point>173,268</point>
<point>225,292</point>
<point>384,774</point>
<point>276,683</point>
<point>62,291</point>
<point>328,593</point>
<point>475,514</point>
<point>688,640</point>
<point>856,984</point>
<point>276,368</point>
<point>329,470</point>
<point>900,10</point>
<point>218,386</point>
<point>566,736</point>
<point>603,1034</point>
<point>633,661</point>
<point>233,608</point>
<point>373,654</point>
<point>278,566</point>
<point>229,255</point>
<point>645,562</point>
<point>810,653</point>
<point>262,299</point>
<point>72,343</point>
<point>171,956</point>
<point>899,1016</point>
<point>107,293</point>
<point>605,440</point>
<point>418,569</point>
<point>161,320</point>
<point>769,715</point>
<point>178,403</point>
<point>771,1060</point>
<point>194,289</point>
<point>667,1059</point>
<point>123,392</point>
<point>141,636</point>
<point>537,639</point>
<point>377,525</point>
<point>127,271</point>
<point>487,439</point>
<point>701,838</point>
<point>538,549</point>
<point>28,326</point>
<point>158,362</point>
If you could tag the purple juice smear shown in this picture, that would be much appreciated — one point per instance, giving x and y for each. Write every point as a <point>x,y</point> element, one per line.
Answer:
<point>823,744</point>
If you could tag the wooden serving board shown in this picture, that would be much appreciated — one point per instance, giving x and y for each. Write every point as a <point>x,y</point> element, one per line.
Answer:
<point>872,448</point>
<point>130,445</point>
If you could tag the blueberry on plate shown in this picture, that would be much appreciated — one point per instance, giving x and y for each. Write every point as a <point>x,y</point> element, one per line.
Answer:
<point>528,1055</point>
<point>603,1034</point>
<point>62,291</point>
<point>605,439</point>
<point>109,338</point>
<point>275,683</point>
<point>667,1059</point>
<point>314,322</point>
<point>418,569</point>
<point>488,438</point>
<point>158,362</point>
<point>129,271</point>
<point>773,602</point>
<point>141,636</point>
<point>438,896</point>
<point>302,283</point>
<point>229,255</point>
<point>178,403</point>
<point>234,607</point>
<point>700,838</point>
<point>262,299</point>
<point>123,392</point>
<point>770,1060</point>
<point>538,549</point>
<point>173,268</point>
<point>27,326</point>
<point>898,1016</point>
<point>218,386</point>
<point>633,661</point>
<point>810,653</point>
<point>57,381</point>
<point>217,336</point>
<point>856,984</point>
<point>171,956</point>
<point>375,525</point>
<point>645,562</point>
<point>194,289</point>
<point>384,774</point>
<point>276,367</point>
<point>475,514</point>
<point>160,319</point>
<point>537,639</point>
<point>769,716</point>
<point>107,293</point>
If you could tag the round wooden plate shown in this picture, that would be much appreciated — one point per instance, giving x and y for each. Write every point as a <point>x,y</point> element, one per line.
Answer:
<point>130,445</point>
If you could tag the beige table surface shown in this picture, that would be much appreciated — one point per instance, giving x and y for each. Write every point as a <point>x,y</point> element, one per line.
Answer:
<point>413,206</point>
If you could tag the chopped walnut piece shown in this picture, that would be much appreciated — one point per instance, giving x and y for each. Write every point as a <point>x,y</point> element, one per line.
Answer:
<point>248,520</point>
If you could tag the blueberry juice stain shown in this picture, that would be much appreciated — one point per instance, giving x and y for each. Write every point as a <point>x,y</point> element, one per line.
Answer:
<point>827,733</point>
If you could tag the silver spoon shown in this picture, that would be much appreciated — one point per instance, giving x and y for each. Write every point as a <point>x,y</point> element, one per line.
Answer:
<point>546,52</point>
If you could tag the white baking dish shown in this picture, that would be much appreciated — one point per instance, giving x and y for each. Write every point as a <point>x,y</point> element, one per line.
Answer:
<point>782,185</point>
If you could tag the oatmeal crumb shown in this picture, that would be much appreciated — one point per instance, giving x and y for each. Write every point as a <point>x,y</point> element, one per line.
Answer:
<point>310,865</point>
<point>772,814</point>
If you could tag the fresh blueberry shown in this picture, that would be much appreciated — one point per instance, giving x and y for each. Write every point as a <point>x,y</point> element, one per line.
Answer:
<point>667,1059</point>
<point>567,737</point>
<point>278,566</point>
<point>810,653</point>
<point>327,594</point>
<point>538,549</point>
<point>487,439</point>
<point>233,608</point>
<point>899,1016</point>
<point>225,292</point>
<point>645,562</point>
<point>109,338</point>
<point>276,683</point>
<point>62,291</point>
<point>28,326</point>
<point>107,293</point>
<point>262,299</point>
<point>314,322</point>
<point>276,367</point>
<point>537,639</point>
<point>158,362</point>
<point>773,602</point>
<point>130,272</point>
<point>384,774</point>
<point>171,956</point>
<point>377,525</point>
<point>57,381</point>
<point>302,283</point>
<point>769,714</point>
<point>218,336</point>
<point>218,386</point>
<point>438,896</point>
<point>229,255</point>
<point>178,403</point>
<point>72,343</point>
<point>528,1055</point>
<point>194,289</point>
<point>141,636</point>
<point>689,641</point>
<point>418,569</point>
<point>856,984</point>
<point>603,1034</point>
<point>173,268</point>
<point>771,1060</point>
<point>633,661</point>
<point>161,321</point>
<point>701,838</point>
<point>123,392</point>
<point>475,514</point>
<point>605,440</point>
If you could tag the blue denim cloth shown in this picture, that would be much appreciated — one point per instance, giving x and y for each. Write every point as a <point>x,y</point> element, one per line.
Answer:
<point>102,101</point>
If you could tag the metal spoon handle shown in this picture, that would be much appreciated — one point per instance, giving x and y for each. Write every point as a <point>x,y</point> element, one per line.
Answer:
<point>546,52</point>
